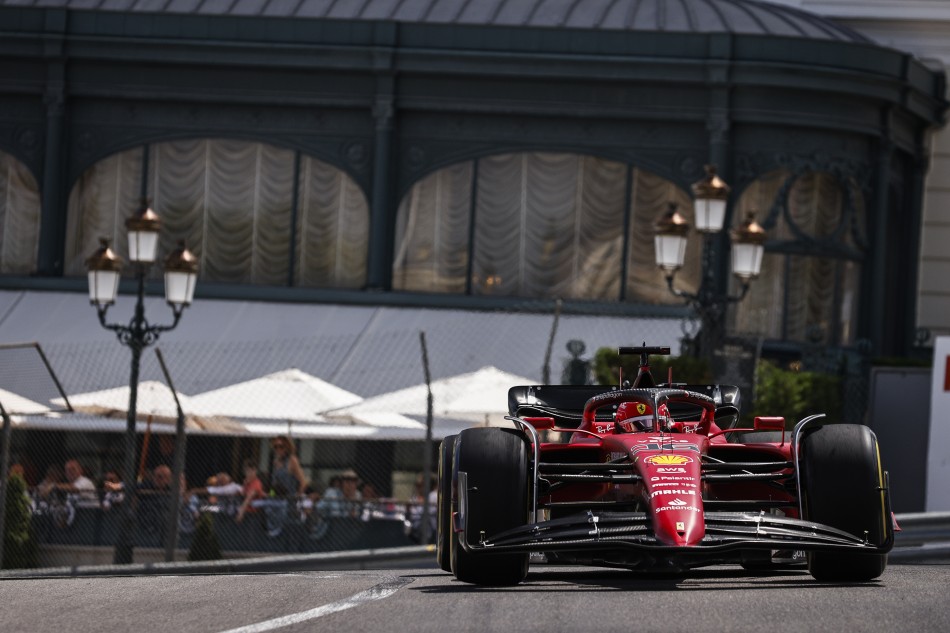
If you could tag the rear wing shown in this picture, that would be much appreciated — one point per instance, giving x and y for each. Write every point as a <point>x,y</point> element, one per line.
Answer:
<point>565,403</point>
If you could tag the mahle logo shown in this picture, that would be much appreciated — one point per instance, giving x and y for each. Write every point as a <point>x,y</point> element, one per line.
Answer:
<point>668,460</point>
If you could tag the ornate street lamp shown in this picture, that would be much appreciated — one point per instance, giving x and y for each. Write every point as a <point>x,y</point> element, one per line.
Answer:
<point>104,266</point>
<point>709,302</point>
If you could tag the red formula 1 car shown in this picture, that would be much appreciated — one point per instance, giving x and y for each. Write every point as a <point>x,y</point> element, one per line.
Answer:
<point>658,477</point>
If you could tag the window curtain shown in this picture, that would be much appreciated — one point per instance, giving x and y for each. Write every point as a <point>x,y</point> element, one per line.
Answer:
<point>650,199</point>
<point>100,201</point>
<point>545,225</point>
<point>232,204</point>
<point>432,232</point>
<point>332,228</point>
<point>19,217</point>
<point>806,296</point>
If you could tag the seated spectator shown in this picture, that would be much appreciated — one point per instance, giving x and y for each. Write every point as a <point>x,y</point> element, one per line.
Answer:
<point>253,489</point>
<point>224,485</point>
<point>16,470</point>
<point>189,508</point>
<point>368,492</point>
<point>153,496</point>
<point>223,494</point>
<point>51,481</point>
<point>344,501</point>
<point>417,506</point>
<point>160,480</point>
<point>112,488</point>
<point>80,485</point>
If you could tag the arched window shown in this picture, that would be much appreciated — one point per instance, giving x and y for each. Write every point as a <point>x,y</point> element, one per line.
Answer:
<point>233,202</point>
<point>19,217</point>
<point>811,273</point>
<point>537,225</point>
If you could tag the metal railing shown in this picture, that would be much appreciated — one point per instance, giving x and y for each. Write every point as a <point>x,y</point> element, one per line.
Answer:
<point>922,528</point>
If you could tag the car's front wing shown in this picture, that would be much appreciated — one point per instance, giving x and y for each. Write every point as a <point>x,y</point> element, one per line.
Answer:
<point>725,531</point>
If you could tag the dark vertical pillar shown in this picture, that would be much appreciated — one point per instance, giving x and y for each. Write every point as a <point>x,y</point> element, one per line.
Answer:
<point>52,210</point>
<point>715,274</point>
<point>379,273</point>
<point>628,203</point>
<point>718,129</point>
<point>717,126</point>
<point>915,218</point>
<point>876,288</point>
<point>294,212</point>
<point>382,221</point>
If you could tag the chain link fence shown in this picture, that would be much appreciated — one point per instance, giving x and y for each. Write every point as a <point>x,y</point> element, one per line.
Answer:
<point>350,411</point>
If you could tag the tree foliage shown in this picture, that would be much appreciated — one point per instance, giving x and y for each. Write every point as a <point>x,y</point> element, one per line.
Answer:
<point>795,394</point>
<point>686,369</point>
<point>779,391</point>
<point>20,547</point>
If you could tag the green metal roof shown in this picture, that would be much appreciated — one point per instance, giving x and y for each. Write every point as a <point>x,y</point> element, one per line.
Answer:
<point>675,16</point>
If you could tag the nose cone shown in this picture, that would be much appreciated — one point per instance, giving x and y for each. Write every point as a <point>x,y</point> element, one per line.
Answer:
<point>672,479</point>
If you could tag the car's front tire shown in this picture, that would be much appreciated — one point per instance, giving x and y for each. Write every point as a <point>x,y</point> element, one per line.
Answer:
<point>843,485</point>
<point>496,465</point>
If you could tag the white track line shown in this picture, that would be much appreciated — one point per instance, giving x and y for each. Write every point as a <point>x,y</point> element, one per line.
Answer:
<point>376,592</point>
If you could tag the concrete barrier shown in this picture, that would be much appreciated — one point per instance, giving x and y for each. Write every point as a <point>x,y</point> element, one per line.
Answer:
<point>923,537</point>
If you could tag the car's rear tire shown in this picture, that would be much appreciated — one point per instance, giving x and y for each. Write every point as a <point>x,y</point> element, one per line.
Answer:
<point>496,465</point>
<point>445,528</point>
<point>843,485</point>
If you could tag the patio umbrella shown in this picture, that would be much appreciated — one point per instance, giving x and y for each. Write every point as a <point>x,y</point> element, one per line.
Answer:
<point>15,404</point>
<point>154,403</point>
<point>293,402</point>
<point>479,398</point>
<point>285,395</point>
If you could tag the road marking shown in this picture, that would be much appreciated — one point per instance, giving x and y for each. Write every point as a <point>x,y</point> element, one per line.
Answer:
<point>376,592</point>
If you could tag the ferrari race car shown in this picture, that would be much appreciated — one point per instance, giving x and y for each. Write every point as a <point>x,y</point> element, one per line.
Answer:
<point>659,477</point>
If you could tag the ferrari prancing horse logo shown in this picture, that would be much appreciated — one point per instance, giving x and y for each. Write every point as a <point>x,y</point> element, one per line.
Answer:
<point>668,460</point>
<point>641,408</point>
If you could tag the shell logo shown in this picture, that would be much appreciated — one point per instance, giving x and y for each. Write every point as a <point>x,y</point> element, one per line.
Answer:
<point>668,460</point>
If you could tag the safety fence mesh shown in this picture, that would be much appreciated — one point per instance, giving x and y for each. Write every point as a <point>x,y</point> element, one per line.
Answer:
<point>351,409</point>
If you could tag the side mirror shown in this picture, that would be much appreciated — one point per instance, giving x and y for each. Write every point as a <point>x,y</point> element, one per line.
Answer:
<point>769,423</point>
<point>540,424</point>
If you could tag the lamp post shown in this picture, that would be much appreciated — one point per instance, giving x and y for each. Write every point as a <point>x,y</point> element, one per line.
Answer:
<point>709,302</point>
<point>104,266</point>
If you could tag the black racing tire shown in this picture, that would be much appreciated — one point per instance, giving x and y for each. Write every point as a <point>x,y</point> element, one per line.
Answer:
<point>496,464</point>
<point>843,485</point>
<point>445,528</point>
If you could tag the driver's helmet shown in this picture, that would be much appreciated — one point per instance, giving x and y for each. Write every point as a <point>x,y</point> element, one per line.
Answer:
<point>634,416</point>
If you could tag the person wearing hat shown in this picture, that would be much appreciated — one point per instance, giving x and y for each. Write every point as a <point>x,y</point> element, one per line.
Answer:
<point>344,501</point>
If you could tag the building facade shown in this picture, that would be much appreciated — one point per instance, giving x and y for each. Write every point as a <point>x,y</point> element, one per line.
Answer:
<point>499,154</point>
<point>920,27</point>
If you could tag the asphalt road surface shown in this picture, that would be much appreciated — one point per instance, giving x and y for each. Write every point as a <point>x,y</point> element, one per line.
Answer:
<point>907,598</point>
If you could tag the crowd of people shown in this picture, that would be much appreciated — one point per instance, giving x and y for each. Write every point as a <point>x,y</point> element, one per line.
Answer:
<point>280,495</point>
